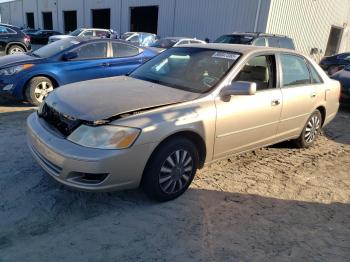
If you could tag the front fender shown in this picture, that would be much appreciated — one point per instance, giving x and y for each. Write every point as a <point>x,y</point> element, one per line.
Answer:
<point>24,78</point>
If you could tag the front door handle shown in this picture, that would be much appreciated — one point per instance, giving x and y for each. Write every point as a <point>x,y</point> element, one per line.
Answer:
<point>313,94</point>
<point>105,64</point>
<point>275,102</point>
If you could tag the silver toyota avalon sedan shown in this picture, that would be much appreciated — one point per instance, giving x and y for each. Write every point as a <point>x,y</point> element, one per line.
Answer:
<point>186,107</point>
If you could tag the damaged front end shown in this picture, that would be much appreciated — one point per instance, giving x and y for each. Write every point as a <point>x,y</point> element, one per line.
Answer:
<point>65,125</point>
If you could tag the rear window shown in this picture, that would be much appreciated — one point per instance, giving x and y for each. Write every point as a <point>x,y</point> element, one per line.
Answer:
<point>235,39</point>
<point>5,30</point>
<point>273,42</point>
<point>286,43</point>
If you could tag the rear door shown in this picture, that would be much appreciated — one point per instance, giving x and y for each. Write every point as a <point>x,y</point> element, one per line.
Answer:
<point>125,58</point>
<point>300,94</point>
<point>92,62</point>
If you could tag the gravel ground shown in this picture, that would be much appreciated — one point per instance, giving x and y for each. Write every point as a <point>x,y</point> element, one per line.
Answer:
<point>273,204</point>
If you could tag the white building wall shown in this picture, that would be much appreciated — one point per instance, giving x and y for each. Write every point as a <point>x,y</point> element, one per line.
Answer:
<point>30,6</point>
<point>309,22</point>
<point>207,18</point>
<point>48,6</point>
<point>102,4</point>
<point>16,8</point>
<point>5,13</point>
<point>70,5</point>
<point>165,14</point>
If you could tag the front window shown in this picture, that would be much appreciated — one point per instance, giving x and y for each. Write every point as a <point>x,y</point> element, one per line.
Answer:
<point>164,43</point>
<point>260,70</point>
<point>235,39</point>
<point>190,69</point>
<point>92,51</point>
<point>76,32</point>
<point>54,48</point>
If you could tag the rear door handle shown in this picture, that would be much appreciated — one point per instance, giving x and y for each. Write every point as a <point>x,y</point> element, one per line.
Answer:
<point>275,102</point>
<point>313,94</point>
<point>105,64</point>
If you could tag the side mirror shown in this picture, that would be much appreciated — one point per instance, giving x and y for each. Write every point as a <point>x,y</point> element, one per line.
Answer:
<point>239,88</point>
<point>69,56</point>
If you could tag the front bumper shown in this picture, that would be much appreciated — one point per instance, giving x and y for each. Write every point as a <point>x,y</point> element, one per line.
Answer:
<point>8,84</point>
<point>67,162</point>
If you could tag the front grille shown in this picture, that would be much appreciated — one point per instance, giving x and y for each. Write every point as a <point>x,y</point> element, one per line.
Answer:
<point>62,123</point>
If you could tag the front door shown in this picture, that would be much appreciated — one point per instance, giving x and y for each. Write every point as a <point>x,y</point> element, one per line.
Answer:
<point>246,122</point>
<point>92,62</point>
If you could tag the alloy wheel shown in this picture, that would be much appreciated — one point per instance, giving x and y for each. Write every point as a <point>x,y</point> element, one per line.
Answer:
<point>42,90</point>
<point>16,50</point>
<point>176,171</point>
<point>312,128</point>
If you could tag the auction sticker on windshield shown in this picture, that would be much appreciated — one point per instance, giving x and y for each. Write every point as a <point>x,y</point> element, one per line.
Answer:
<point>225,55</point>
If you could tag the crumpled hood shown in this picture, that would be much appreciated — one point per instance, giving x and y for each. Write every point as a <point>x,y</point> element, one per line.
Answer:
<point>15,59</point>
<point>102,99</point>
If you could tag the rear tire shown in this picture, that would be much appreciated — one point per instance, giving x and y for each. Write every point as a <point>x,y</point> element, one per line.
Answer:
<point>15,49</point>
<point>170,169</point>
<point>311,130</point>
<point>37,89</point>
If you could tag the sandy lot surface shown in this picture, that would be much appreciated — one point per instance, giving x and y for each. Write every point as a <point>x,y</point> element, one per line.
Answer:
<point>273,204</point>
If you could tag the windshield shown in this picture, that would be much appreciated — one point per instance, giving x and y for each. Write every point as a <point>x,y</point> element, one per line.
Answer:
<point>235,39</point>
<point>54,48</point>
<point>164,43</point>
<point>126,35</point>
<point>187,68</point>
<point>76,32</point>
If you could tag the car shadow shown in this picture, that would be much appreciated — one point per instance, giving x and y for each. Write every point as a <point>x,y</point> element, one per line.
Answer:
<point>201,225</point>
<point>338,129</point>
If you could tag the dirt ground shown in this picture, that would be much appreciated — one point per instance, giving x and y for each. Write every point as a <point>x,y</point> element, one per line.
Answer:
<point>273,204</point>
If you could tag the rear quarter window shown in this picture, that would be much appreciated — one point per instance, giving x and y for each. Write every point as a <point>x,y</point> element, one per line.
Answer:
<point>273,42</point>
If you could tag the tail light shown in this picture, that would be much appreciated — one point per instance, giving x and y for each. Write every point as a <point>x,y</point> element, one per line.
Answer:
<point>27,38</point>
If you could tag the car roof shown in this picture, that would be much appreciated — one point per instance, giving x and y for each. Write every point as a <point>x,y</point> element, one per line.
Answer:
<point>257,34</point>
<point>89,40</point>
<point>10,26</point>
<point>243,49</point>
<point>180,38</point>
<point>102,29</point>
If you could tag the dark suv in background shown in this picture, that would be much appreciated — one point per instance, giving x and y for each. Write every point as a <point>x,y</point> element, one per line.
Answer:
<point>13,40</point>
<point>257,39</point>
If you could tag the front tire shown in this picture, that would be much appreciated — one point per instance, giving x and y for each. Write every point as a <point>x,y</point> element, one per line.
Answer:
<point>170,169</point>
<point>311,130</point>
<point>37,89</point>
<point>15,49</point>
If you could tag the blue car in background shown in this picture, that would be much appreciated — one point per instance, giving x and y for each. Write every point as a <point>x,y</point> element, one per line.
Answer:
<point>33,75</point>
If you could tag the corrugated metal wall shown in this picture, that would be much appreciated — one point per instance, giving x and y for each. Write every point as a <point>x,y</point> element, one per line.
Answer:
<point>309,22</point>
<point>208,18</point>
